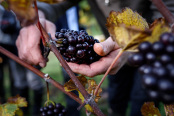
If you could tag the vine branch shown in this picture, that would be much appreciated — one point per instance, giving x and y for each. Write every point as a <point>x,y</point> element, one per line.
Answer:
<point>165,12</point>
<point>39,73</point>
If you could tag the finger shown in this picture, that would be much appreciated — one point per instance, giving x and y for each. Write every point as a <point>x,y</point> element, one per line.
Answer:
<point>105,47</point>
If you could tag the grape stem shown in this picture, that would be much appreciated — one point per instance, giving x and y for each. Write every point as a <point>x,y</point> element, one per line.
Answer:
<point>164,11</point>
<point>36,8</point>
<point>39,73</point>
<point>108,70</point>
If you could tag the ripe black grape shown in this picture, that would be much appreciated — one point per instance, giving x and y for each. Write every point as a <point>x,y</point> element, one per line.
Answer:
<point>76,46</point>
<point>56,109</point>
<point>156,65</point>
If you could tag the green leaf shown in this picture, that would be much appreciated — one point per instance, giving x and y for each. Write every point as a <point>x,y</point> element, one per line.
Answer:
<point>8,109</point>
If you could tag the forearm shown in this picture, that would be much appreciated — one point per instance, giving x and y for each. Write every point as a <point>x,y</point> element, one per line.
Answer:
<point>54,11</point>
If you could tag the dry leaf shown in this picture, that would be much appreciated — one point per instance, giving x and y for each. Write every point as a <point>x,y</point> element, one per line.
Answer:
<point>51,1</point>
<point>70,86</point>
<point>129,29</point>
<point>149,109</point>
<point>91,89</point>
<point>24,11</point>
<point>169,110</point>
<point>20,101</point>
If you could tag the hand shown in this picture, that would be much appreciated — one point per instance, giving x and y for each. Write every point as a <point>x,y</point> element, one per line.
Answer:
<point>109,50</point>
<point>28,43</point>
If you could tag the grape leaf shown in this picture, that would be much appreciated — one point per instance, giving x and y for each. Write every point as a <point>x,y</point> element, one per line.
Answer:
<point>24,11</point>
<point>70,86</point>
<point>12,105</point>
<point>91,89</point>
<point>51,1</point>
<point>129,29</point>
<point>149,109</point>
<point>8,109</point>
<point>169,110</point>
<point>19,101</point>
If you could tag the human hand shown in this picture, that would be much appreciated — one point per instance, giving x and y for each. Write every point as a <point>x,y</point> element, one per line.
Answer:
<point>28,42</point>
<point>109,50</point>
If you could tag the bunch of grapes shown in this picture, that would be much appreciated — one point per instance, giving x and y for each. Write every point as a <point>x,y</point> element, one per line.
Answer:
<point>77,46</point>
<point>53,110</point>
<point>156,64</point>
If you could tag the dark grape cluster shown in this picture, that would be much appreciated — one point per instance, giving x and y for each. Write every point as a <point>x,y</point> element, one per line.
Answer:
<point>156,64</point>
<point>77,46</point>
<point>53,110</point>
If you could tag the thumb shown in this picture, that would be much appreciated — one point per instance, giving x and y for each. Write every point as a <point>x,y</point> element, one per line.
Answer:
<point>105,47</point>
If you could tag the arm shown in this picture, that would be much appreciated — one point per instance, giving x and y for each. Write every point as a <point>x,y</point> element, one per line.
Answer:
<point>54,11</point>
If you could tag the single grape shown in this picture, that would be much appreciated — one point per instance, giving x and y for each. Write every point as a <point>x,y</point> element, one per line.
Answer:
<point>165,59</point>
<point>85,45</point>
<point>153,94</point>
<point>144,47</point>
<point>166,86</point>
<point>57,34</point>
<point>41,109</point>
<point>61,35</point>
<point>63,30</point>
<point>71,50</point>
<point>43,114</point>
<point>51,106</point>
<point>71,40</point>
<point>167,98</point>
<point>80,39</point>
<point>79,46</point>
<point>45,108</point>
<point>157,64</point>
<point>166,38</point>
<point>149,81</point>
<point>150,57</point>
<point>170,50</point>
<point>136,59</point>
<point>50,112</point>
<point>80,54</point>
<point>158,47</point>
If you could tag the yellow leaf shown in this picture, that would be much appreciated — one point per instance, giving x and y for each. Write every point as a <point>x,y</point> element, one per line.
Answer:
<point>91,89</point>
<point>51,1</point>
<point>149,109</point>
<point>87,106</point>
<point>19,101</point>
<point>129,29</point>
<point>70,86</point>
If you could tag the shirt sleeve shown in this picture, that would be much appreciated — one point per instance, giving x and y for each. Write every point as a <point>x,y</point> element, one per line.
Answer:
<point>54,11</point>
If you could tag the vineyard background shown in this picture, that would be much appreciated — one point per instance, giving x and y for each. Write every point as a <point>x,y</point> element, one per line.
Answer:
<point>53,67</point>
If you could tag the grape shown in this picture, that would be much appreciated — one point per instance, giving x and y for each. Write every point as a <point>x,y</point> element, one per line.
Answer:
<point>166,38</point>
<point>76,46</point>
<point>150,57</point>
<point>166,86</point>
<point>53,110</point>
<point>72,40</point>
<point>157,47</point>
<point>136,59</point>
<point>157,67</point>
<point>144,47</point>
<point>154,95</point>
<point>149,81</point>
